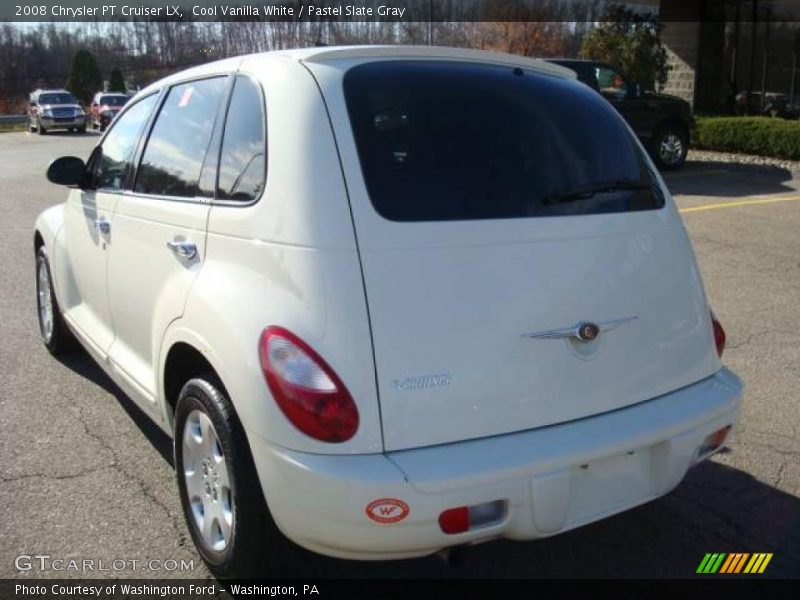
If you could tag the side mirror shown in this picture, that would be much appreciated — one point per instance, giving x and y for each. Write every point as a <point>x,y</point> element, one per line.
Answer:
<point>67,170</point>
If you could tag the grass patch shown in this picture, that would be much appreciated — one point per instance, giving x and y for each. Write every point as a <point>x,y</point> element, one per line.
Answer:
<point>763,136</point>
<point>6,127</point>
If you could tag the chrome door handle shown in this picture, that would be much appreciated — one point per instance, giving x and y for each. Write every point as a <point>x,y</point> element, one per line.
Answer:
<point>183,249</point>
<point>102,225</point>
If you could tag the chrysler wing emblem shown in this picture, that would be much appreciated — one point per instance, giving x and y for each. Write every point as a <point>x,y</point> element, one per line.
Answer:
<point>585,331</point>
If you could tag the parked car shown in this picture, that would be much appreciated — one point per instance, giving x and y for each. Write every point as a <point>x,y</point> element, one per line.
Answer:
<point>388,301</point>
<point>774,104</point>
<point>105,106</point>
<point>55,109</point>
<point>662,122</point>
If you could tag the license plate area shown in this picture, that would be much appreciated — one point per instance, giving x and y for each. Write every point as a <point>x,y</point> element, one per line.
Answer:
<point>608,484</point>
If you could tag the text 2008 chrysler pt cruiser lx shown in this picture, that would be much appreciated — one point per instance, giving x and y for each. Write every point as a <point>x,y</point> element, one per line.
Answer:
<point>388,300</point>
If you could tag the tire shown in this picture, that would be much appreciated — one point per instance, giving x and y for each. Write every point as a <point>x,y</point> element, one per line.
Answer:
<point>669,147</point>
<point>57,337</point>
<point>41,129</point>
<point>217,480</point>
<point>81,129</point>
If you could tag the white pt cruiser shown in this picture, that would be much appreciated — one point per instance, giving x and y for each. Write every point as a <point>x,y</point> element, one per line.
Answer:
<point>388,301</point>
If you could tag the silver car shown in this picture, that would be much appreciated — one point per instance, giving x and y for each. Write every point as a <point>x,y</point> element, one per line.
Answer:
<point>55,109</point>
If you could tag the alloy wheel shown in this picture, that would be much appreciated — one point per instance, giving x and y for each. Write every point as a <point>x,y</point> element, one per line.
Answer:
<point>208,487</point>
<point>671,148</point>
<point>45,301</point>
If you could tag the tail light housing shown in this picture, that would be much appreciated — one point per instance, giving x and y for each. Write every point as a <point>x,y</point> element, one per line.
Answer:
<point>306,388</point>
<point>719,334</point>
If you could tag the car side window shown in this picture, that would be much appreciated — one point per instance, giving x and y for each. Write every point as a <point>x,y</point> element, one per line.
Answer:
<point>242,165</point>
<point>179,140</point>
<point>610,83</point>
<point>113,160</point>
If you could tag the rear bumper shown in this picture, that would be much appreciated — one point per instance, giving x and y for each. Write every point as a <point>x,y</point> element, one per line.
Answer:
<point>552,479</point>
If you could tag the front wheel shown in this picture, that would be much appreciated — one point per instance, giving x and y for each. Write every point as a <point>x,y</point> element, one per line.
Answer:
<point>670,146</point>
<point>41,129</point>
<point>222,501</point>
<point>57,337</point>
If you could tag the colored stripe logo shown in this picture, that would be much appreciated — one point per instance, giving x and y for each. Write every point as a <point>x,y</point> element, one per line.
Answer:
<point>734,563</point>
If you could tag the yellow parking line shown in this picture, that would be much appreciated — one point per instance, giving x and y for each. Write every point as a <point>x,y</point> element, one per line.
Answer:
<point>738,203</point>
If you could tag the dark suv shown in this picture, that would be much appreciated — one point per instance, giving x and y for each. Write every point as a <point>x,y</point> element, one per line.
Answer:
<point>662,122</point>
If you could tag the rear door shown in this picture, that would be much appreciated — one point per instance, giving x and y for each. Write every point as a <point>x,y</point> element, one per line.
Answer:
<point>159,226</point>
<point>479,263</point>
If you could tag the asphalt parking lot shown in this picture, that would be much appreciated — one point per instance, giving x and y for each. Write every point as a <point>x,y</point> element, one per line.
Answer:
<point>83,475</point>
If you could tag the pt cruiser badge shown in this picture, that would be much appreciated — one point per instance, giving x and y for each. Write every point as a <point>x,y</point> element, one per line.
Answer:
<point>585,331</point>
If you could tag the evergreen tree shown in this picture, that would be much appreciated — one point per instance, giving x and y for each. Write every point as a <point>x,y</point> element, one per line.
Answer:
<point>116,83</point>
<point>84,76</point>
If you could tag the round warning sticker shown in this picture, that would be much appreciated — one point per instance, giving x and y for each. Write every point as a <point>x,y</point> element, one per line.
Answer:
<point>387,510</point>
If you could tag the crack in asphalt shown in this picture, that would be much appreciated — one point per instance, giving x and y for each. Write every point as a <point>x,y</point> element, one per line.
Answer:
<point>115,464</point>
<point>177,525</point>
<point>750,337</point>
<point>781,473</point>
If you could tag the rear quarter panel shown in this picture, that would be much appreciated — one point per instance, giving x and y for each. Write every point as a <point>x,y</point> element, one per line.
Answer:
<point>289,260</point>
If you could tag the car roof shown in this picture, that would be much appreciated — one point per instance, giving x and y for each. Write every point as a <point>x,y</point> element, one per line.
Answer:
<point>332,53</point>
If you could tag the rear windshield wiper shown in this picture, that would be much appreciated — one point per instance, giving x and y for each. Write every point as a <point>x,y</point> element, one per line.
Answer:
<point>599,187</point>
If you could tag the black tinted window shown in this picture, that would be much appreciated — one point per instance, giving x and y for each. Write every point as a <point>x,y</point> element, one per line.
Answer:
<point>243,158</point>
<point>113,100</point>
<point>178,142</point>
<point>114,158</point>
<point>452,141</point>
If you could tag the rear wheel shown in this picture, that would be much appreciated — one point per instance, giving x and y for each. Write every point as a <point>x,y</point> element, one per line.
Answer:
<point>57,337</point>
<point>669,147</point>
<point>222,502</point>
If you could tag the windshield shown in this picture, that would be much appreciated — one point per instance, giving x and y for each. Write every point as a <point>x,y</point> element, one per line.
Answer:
<point>452,141</point>
<point>57,99</point>
<point>113,100</point>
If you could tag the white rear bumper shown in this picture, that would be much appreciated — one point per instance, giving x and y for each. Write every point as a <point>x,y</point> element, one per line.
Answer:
<point>553,479</point>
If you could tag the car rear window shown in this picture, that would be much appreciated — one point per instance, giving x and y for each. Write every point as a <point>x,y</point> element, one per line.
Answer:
<point>442,141</point>
<point>113,100</point>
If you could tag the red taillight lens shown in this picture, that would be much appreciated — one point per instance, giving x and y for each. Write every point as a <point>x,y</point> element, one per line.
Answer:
<point>305,388</point>
<point>455,520</point>
<point>719,334</point>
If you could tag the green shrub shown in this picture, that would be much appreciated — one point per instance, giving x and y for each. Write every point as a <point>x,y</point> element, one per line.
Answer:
<point>764,136</point>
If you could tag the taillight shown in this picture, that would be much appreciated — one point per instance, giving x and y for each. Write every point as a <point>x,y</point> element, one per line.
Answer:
<point>305,388</point>
<point>719,334</point>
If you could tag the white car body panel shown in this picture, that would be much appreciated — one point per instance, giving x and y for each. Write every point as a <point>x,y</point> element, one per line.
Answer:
<point>145,301</point>
<point>450,300</point>
<point>554,478</point>
<point>84,299</point>
<point>383,302</point>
